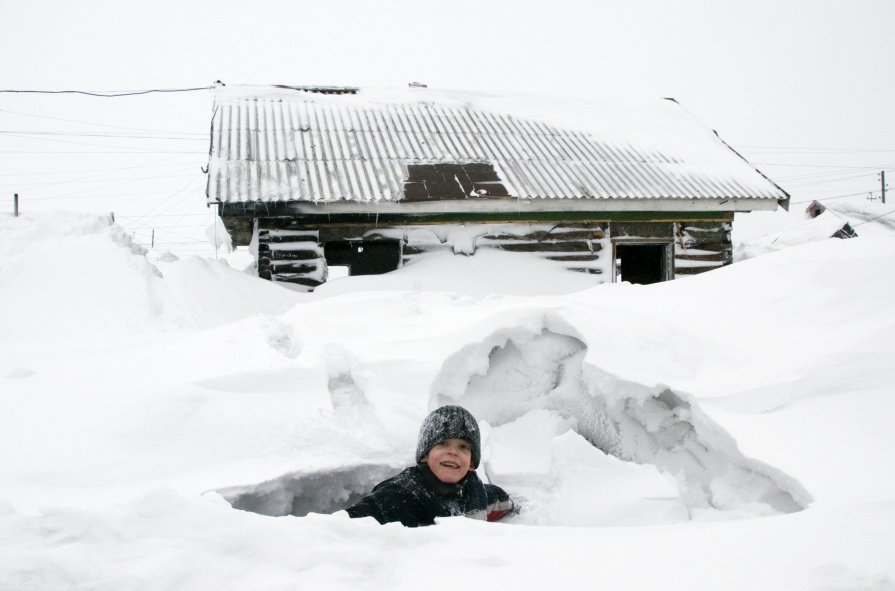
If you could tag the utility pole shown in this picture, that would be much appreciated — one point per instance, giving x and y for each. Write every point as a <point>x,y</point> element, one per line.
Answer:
<point>882,177</point>
<point>152,245</point>
<point>15,205</point>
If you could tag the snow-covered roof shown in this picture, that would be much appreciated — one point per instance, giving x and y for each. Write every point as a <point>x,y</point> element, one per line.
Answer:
<point>319,145</point>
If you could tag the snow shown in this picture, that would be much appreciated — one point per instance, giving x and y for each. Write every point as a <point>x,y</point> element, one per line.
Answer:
<point>179,423</point>
<point>657,124</point>
<point>678,149</point>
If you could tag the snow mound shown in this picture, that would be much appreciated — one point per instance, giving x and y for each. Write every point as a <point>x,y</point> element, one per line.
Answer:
<point>802,230</point>
<point>203,293</point>
<point>759,233</point>
<point>511,375</point>
<point>65,274</point>
<point>488,272</point>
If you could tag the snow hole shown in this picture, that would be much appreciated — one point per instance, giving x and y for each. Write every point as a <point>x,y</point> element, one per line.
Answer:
<point>301,493</point>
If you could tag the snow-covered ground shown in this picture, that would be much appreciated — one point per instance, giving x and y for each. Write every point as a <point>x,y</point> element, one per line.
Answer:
<point>726,431</point>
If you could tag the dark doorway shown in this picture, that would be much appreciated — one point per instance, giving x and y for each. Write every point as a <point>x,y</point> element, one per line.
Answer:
<point>641,263</point>
<point>367,257</point>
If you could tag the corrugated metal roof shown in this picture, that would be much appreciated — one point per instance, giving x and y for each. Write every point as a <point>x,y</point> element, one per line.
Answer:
<point>289,145</point>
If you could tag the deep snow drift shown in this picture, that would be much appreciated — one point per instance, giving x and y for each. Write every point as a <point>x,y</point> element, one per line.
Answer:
<point>729,430</point>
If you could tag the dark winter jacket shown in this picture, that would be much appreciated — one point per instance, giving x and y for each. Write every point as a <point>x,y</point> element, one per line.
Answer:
<point>416,497</point>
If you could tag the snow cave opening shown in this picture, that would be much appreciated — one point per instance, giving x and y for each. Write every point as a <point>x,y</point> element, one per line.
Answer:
<point>301,493</point>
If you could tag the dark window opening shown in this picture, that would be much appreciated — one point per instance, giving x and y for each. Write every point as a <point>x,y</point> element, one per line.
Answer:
<point>438,182</point>
<point>642,263</point>
<point>367,257</point>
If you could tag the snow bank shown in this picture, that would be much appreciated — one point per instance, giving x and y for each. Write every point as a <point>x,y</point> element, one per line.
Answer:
<point>165,540</point>
<point>487,273</point>
<point>65,273</point>
<point>203,293</point>
<point>635,422</point>
<point>759,233</point>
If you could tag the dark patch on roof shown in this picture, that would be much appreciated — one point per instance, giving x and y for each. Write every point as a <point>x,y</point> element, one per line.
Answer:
<point>445,181</point>
<point>321,89</point>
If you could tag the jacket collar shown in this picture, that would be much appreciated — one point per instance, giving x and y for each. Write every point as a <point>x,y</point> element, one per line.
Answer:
<point>438,488</point>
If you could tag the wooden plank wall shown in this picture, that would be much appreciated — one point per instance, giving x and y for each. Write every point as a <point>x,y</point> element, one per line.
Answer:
<point>291,256</point>
<point>293,252</point>
<point>701,246</point>
<point>580,247</point>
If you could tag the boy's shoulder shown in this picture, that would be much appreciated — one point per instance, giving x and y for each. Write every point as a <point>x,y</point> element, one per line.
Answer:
<point>406,478</point>
<point>495,493</point>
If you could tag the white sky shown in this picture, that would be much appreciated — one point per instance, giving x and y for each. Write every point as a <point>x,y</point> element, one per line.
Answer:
<point>767,75</point>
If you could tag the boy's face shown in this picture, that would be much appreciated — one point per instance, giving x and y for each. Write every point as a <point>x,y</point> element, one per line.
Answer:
<point>450,460</point>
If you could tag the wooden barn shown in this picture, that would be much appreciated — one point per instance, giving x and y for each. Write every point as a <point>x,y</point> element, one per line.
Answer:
<point>319,177</point>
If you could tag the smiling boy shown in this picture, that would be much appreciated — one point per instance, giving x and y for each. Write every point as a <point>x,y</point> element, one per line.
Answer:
<point>443,482</point>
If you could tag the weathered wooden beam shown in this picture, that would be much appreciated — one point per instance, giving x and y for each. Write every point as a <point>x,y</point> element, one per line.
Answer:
<point>699,257</point>
<point>544,247</point>
<point>574,257</point>
<point>276,239</point>
<point>297,279</point>
<point>280,267</point>
<point>584,234</point>
<point>422,249</point>
<point>662,230</point>
<point>294,255</point>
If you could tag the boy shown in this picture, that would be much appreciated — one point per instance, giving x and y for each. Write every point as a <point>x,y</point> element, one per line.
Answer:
<point>443,481</point>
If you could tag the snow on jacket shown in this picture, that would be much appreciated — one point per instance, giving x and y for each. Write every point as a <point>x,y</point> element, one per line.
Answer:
<point>416,497</point>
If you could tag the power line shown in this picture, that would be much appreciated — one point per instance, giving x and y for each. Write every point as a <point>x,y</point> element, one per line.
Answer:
<point>187,187</point>
<point>91,178</point>
<point>874,218</point>
<point>806,182</point>
<point>159,243</point>
<point>154,227</point>
<point>162,215</point>
<point>88,194</point>
<point>202,137</point>
<point>839,166</point>
<point>193,152</point>
<point>811,150</point>
<point>110,93</point>
<point>835,197</point>
<point>151,163</point>
<point>43,139</point>
<point>86,122</point>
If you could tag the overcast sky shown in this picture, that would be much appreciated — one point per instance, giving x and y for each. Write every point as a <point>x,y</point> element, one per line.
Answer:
<point>796,82</point>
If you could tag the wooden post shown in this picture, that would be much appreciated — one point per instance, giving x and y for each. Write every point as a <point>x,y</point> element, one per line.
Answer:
<point>882,176</point>
<point>152,245</point>
<point>15,205</point>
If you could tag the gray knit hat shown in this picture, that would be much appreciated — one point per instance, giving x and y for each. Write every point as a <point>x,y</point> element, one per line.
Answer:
<point>449,422</point>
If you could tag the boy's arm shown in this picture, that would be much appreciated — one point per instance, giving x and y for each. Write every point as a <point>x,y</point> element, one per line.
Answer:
<point>499,503</point>
<point>366,507</point>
